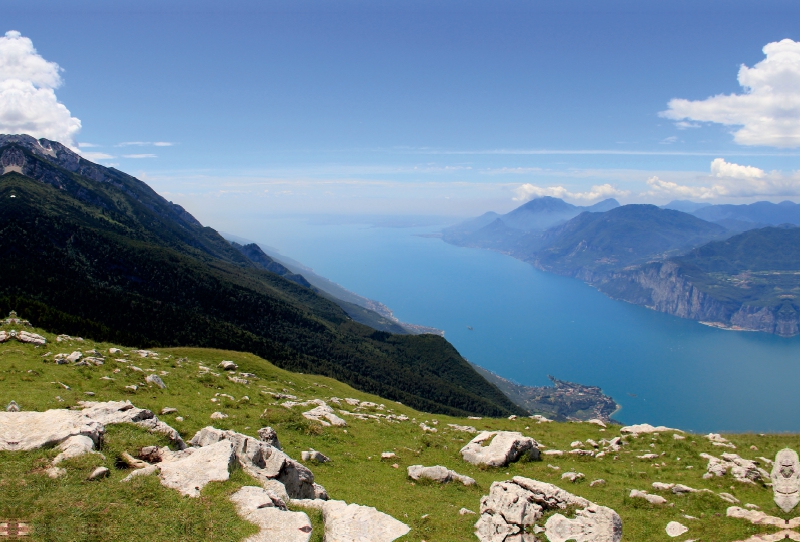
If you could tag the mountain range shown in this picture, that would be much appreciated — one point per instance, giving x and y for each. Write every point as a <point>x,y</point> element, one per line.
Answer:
<point>730,266</point>
<point>92,251</point>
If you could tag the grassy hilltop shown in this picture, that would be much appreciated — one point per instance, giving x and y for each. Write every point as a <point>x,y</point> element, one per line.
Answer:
<point>72,508</point>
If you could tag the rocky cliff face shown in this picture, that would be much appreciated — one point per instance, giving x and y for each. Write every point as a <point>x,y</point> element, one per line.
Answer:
<point>663,287</point>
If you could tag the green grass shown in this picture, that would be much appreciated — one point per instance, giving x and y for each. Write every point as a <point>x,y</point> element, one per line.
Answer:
<point>71,508</point>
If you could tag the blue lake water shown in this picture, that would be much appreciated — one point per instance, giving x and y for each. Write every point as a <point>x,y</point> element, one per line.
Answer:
<point>527,324</point>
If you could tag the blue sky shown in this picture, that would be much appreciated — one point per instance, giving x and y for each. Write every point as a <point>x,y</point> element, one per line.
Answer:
<point>432,107</point>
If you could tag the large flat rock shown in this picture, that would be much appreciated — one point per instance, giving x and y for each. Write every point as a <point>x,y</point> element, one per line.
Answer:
<point>190,474</point>
<point>32,430</point>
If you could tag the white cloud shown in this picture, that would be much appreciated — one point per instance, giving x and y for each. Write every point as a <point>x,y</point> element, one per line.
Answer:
<point>139,156</point>
<point>84,145</point>
<point>730,180</point>
<point>145,144</point>
<point>96,156</point>
<point>529,191</point>
<point>683,125</point>
<point>669,140</point>
<point>28,103</point>
<point>721,168</point>
<point>769,109</point>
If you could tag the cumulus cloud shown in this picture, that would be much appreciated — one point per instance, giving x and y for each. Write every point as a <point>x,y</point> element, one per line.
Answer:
<point>529,191</point>
<point>730,180</point>
<point>769,109</point>
<point>28,103</point>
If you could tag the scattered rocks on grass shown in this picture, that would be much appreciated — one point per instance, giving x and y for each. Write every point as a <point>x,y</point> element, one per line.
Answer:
<point>227,365</point>
<point>218,416</point>
<point>438,473</point>
<point>499,448</point>
<point>325,415</point>
<point>742,470</point>
<point>646,428</point>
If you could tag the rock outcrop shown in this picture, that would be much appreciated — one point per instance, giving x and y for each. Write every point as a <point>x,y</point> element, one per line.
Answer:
<point>264,462</point>
<point>499,448</point>
<point>111,412</point>
<point>513,507</point>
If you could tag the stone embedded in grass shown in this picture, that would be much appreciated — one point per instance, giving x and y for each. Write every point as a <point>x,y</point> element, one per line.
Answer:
<point>226,365</point>
<point>499,448</point>
<point>99,472</point>
<point>218,416</point>
<point>676,529</point>
<point>572,476</point>
<point>32,430</point>
<point>12,407</point>
<point>438,473</point>
<point>313,455</point>
<point>652,499</point>
<point>156,380</point>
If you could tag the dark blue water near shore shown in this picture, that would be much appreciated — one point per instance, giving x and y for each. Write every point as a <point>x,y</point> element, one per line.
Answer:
<point>528,324</point>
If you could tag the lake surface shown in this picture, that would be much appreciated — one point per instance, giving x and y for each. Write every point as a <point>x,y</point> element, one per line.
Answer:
<point>527,324</point>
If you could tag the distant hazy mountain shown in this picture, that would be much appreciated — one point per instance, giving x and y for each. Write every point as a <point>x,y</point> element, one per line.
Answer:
<point>684,205</point>
<point>500,232</point>
<point>621,237</point>
<point>759,213</point>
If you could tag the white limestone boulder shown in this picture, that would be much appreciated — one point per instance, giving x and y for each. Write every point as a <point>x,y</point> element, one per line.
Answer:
<point>499,448</point>
<point>277,524</point>
<point>646,428</point>
<point>192,473</point>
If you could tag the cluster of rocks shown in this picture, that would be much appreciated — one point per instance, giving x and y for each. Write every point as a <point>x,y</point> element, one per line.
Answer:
<point>23,337</point>
<point>514,507</point>
<point>742,470</point>
<point>595,448</point>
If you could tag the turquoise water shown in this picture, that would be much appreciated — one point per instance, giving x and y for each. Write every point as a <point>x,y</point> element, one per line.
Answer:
<point>527,324</point>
